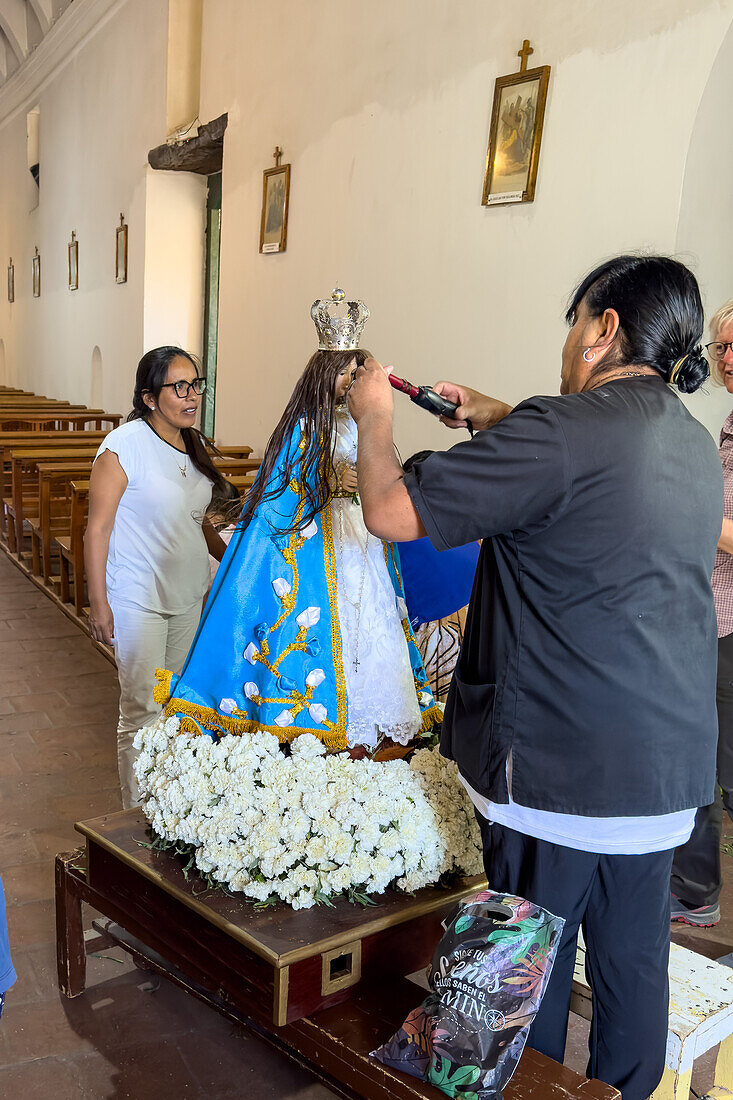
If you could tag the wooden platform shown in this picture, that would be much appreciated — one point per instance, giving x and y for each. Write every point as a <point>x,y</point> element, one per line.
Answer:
<point>223,951</point>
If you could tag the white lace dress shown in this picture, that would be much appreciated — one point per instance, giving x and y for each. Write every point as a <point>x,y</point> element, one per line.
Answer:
<point>379,681</point>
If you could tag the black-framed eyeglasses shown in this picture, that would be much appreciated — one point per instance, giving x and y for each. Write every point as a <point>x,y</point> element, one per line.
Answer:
<point>183,388</point>
<point>717,349</point>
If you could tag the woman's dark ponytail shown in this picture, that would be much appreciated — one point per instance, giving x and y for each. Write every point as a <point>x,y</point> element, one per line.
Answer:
<point>660,316</point>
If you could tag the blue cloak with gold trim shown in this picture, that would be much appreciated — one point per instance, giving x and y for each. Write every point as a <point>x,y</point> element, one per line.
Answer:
<point>267,653</point>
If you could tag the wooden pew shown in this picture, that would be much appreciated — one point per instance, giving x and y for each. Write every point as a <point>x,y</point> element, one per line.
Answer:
<point>24,477</point>
<point>71,548</point>
<point>236,465</point>
<point>61,419</point>
<point>54,509</point>
<point>232,450</point>
<point>52,440</point>
<point>70,544</point>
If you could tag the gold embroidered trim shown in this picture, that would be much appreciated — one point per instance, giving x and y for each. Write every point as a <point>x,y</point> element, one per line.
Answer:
<point>329,558</point>
<point>212,720</point>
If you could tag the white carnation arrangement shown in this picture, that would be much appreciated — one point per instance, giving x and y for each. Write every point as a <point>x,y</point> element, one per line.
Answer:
<point>306,827</point>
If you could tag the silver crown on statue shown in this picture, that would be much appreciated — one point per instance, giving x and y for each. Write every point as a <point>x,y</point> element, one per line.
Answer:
<point>339,331</point>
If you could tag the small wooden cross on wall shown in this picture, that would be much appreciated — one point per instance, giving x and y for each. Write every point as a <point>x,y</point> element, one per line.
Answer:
<point>277,155</point>
<point>524,53</point>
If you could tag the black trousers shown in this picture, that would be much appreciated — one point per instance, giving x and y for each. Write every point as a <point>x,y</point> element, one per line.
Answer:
<point>696,874</point>
<point>622,905</point>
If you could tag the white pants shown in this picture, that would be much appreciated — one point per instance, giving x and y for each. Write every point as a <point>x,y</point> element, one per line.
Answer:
<point>144,641</point>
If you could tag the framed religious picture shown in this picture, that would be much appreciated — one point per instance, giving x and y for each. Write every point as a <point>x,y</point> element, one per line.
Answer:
<point>121,251</point>
<point>36,264</point>
<point>517,118</point>
<point>73,262</point>
<point>11,280</point>
<point>275,198</point>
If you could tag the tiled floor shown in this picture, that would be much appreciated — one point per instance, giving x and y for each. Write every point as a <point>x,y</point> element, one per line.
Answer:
<point>58,711</point>
<point>120,1039</point>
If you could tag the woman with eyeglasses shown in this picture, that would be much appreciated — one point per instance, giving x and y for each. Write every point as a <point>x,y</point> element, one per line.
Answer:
<point>696,873</point>
<point>148,541</point>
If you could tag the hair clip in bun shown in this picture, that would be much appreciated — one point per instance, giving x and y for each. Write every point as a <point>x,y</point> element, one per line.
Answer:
<point>674,373</point>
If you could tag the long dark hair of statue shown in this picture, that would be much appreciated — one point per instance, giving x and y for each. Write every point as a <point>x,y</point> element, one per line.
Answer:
<point>152,371</point>
<point>313,405</point>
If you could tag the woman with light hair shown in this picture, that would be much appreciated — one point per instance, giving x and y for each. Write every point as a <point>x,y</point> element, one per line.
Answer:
<point>696,873</point>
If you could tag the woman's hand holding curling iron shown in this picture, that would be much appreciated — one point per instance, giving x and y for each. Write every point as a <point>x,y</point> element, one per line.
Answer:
<point>482,411</point>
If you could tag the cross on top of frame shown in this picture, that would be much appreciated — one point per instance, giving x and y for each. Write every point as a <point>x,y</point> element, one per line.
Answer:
<point>524,54</point>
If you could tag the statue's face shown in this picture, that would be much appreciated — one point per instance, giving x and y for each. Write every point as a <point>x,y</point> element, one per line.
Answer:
<point>343,379</point>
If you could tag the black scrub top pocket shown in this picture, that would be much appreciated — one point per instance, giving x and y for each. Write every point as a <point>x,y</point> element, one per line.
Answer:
<point>470,711</point>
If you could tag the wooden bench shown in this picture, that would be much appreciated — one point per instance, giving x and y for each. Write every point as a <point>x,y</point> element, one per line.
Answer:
<point>62,419</point>
<point>236,465</point>
<point>52,441</point>
<point>24,479</point>
<point>54,509</point>
<point>71,549</point>
<point>700,1017</point>
<point>233,957</point>
<point>232,450</point>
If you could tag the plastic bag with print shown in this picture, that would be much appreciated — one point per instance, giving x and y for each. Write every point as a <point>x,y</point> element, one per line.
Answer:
<point>487,977</point>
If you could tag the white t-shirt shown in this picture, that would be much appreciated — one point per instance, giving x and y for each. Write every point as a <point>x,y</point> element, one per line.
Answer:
<point>157,551</point>
<point>631,836</point>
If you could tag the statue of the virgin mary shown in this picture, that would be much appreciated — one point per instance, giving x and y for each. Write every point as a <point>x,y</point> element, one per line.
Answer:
<point>305,629</point>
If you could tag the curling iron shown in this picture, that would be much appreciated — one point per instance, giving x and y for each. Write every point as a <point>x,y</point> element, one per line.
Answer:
<point>425,397</point>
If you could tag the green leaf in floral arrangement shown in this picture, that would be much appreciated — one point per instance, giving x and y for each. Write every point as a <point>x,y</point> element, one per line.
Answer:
<point>267,903</point>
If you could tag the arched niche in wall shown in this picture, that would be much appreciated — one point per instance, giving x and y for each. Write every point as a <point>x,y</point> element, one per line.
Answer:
<point>96,387</point>
<point>705,224</point>
<point>3,366</point>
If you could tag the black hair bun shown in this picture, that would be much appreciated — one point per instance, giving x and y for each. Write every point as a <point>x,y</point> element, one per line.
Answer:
<point>692,372</point>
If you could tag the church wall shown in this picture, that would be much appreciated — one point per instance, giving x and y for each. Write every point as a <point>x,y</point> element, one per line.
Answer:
<point>102,107</point>
<point>706,213</point>
<point>383,110</point>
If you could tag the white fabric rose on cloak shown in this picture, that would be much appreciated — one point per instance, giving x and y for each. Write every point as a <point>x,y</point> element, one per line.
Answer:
<point>284,718</point>
<point>227,706</point>
<point>251,689</point>
<point>308,618</point>
<point>310,530</point>
<point>251,653</point>
<point>282,587</point>
<point>315,678</point>
<point>318,713</point>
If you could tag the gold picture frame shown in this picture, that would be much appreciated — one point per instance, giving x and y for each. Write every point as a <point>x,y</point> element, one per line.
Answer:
<point>517,120</point>
<point>11,280</point>
<point>36,269</point>
<point>121,251</point>
<point>73,262</point>
<point>275,202</point>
